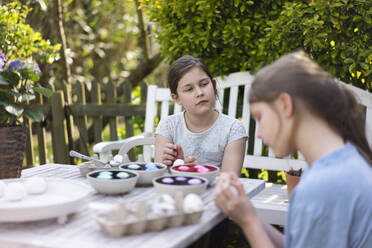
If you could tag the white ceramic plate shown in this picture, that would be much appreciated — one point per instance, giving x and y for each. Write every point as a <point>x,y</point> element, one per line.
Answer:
<point>62,197</point>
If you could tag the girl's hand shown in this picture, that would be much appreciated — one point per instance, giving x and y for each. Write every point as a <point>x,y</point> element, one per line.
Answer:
<point>169,154</point>
<point>191,160</point>
<point>230,198</point>
<point>188,160</point>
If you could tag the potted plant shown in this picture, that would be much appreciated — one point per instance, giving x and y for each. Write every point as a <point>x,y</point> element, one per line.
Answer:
<point>292,177</point>
<point>18,85</point>
<point>20,46</point>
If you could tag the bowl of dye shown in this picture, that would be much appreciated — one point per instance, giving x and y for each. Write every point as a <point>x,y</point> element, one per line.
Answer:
<point>146,171</point>
<point>208,172</point>
<point>186,184</point>
<point>112,181</point>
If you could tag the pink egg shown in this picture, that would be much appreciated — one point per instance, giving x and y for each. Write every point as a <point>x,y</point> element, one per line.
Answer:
<point>199,166</point>
<point>203,170</point>
<point>183,168</point>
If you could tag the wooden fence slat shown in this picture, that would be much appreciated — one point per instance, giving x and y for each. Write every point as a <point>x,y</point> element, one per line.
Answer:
<point>29,144</point>
<point>107,110</point>
<point>82,120</point>
<point>41,140</point>
<point>97,121</point>
<point>111,96</point>
<point>128,126</point>
<point>59,129</point>
<point>143,86</point>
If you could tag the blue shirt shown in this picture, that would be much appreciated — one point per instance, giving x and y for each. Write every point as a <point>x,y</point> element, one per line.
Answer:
<point>332,204</point>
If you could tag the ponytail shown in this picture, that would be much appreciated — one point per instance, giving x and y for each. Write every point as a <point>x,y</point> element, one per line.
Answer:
<point>353,127</point>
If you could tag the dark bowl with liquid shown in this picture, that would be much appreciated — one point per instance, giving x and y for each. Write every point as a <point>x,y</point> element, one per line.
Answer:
<point>186,184</point>
<point>112,181</point>
<point>146,171</point>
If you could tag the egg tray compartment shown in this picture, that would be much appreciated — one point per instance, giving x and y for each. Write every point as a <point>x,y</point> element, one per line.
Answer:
<point>119,222</point>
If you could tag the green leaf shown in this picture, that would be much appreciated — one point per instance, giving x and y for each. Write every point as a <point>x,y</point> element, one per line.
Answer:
<point>13,109</point>
<point>33,76</point>
<point>26,97</point>
<point>12,77</point>
<point>3,81</point>
<point>44,91</point>
<point>349,61</point>
<point>34,114</point>
<point>364,66</point>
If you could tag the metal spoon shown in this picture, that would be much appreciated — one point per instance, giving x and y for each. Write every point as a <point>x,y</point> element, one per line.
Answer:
<point>82,156</point>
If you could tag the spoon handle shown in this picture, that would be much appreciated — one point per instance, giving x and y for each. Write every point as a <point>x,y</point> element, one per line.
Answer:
<point>82,156</point>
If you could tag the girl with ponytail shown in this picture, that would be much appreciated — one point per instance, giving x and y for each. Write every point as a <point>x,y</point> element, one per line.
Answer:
<point>300,107</point>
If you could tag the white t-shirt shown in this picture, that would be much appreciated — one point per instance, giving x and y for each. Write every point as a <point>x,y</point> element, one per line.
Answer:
<point>208,146</point>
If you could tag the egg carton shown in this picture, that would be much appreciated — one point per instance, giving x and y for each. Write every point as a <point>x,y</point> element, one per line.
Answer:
<point>144,216</point>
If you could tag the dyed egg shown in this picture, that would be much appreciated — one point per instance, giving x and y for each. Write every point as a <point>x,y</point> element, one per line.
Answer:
<point>203,170</point>
<point>183,168</point>
<point>194,181</point>
<point>180,178</point>
<point>122,175</point>
<point>167,180</point>
<point>151,165</point>
<point>104,176</point>
<point>134,166</point>
<point>198,166</point>
<point>35,185</point>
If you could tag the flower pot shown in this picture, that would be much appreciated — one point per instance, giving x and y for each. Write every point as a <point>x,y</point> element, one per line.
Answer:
<point>291,182</point>
<point>12,150</point>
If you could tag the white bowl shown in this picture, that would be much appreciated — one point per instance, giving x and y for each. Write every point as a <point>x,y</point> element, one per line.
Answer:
<point>164,188</point>
<point>145,176</point>
<point>210,175</point>
<point>112,186</point>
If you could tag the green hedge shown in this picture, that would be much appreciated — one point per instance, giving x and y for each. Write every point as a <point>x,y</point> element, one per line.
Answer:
<point>19,40</point>
<point>238,35</point>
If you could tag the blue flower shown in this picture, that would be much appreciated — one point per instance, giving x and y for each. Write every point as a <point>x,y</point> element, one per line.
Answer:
<point>37,69</point>
<point>16,65</point>
<point>2,61</point>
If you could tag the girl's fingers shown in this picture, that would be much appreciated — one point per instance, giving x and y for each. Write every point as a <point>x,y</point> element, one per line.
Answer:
<point>179,152</point>
<point>168,156</point>
<point>239,187</point>
<point>170,151</point>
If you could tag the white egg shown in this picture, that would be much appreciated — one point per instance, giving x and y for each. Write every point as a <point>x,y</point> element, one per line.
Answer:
<point>163,208</point>
<point>2,188</point>
<point>192,203</point>
<point>234,190</point>
<point>114,163</point>
<point>165,198</point>
<point>15,191</point>
<point>178,162</point>
<point>118,158</point>
<point>36,185</point>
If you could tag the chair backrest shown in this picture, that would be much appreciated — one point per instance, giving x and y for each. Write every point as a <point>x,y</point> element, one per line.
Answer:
<point>229,88</point>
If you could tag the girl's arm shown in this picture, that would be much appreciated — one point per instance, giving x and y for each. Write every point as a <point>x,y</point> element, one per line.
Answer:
<point>238,206</point>
<point>233,157</point>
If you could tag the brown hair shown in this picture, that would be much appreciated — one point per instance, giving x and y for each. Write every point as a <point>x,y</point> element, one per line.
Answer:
<point>300,77</point>
<point>183,65</point>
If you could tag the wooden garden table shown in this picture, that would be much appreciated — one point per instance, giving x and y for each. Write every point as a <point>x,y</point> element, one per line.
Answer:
<point>82,231</point>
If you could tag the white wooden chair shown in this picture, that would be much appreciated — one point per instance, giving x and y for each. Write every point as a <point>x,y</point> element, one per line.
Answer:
<point>271,204</point>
